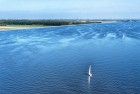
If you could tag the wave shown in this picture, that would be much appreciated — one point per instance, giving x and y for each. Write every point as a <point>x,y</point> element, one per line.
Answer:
<point>64,36</point>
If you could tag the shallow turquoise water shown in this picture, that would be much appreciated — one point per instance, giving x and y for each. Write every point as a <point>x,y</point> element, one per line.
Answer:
<point>56,60</point>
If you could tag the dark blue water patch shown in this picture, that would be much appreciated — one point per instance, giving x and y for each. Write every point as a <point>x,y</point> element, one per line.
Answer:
<point>56,60</point>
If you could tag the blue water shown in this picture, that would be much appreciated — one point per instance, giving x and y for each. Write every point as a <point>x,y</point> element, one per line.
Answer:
<point>55,60</point>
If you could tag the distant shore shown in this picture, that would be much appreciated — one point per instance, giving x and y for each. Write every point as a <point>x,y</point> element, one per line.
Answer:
<point>20,27</point>
<point>6,25</point>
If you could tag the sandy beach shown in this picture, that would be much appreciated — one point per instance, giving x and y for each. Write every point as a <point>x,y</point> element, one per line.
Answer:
<point>19,27</point>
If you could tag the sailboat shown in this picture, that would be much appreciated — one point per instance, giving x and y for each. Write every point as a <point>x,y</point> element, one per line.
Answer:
<point>89,71</point>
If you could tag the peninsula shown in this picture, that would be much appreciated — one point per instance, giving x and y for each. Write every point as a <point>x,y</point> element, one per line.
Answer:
<point>29,24</point>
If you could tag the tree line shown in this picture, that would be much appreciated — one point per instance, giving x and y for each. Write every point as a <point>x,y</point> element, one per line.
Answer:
<point>43,22</point>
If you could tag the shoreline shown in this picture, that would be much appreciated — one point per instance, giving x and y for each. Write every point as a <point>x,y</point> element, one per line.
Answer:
<point>23,27</point>
<point>20,27</point>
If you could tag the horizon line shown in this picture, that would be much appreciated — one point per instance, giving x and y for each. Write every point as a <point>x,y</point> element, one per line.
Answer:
<point>74,19</point>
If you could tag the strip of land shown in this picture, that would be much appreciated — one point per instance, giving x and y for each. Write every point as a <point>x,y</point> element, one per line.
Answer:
<point>19,27</point>
<point>6,25</point>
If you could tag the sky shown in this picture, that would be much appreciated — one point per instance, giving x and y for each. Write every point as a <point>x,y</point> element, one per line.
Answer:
<point>69,9</point>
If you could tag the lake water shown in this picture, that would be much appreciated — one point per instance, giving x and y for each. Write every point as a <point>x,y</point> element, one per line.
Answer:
<point>56,60</point>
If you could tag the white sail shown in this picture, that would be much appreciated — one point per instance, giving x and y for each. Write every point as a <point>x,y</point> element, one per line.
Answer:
<point>89,71</point>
